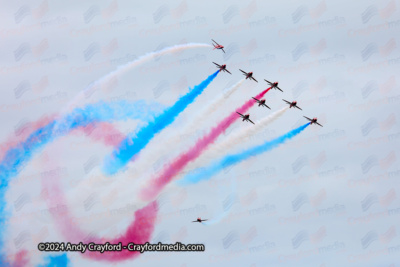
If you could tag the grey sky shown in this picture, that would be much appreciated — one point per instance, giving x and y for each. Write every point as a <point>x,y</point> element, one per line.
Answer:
<point>329,197</point>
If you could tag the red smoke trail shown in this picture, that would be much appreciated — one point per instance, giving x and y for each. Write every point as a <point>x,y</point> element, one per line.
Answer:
<point>139,230</point>
<point>20,259</point>
<point>103,132</point>
<point>156,185</point>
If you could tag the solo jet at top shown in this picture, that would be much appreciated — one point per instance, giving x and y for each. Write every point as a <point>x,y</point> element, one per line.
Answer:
<point>248,75</point>
<point>199,220</point>
<point>261,102</point>
<point>314,120</point>
<point>274,85</point>
<point>223,67</point>
<point>245,117</point>
<point>293,104</point>
<point>218,46</point>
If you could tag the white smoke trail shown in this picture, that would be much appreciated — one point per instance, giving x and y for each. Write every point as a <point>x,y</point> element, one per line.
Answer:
<point>128,185</point>
<point>130,182</point>
<point>120,71</point>
<point>173,143</point>
<point>220,149</point>
<point>202,117</point>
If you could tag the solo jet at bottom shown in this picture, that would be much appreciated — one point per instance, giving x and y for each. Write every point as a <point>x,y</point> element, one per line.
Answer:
<point>245,117</point>
<point>199,220</point>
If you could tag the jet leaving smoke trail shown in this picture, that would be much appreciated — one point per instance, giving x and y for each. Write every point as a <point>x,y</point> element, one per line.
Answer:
<point>171,144</point>
<point>123,69</point>
<point>219,149</point>
<point>182,160</point>
<point>208,172</point>
<point>133,145</point>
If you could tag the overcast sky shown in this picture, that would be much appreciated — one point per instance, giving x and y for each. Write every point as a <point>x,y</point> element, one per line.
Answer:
<point>329,197</point>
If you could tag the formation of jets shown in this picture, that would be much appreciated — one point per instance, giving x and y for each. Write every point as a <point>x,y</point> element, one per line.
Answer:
<point>261,102</point>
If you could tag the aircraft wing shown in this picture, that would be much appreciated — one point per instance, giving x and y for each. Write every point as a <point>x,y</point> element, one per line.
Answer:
<point>256,99</point>
<point>194,221</point>
<point>217,64</point>
<point>228,71</point>
<point>240,114</point>
<point>286,101</point>
<point>254,79</point>
<point>223,50</point>
<point>251,121</point>
<point>267,81</point>
<point>279,89</point>
<point>267,106</point>
<point>204,220</point>
<point>298,107</point>
<point>243,71</point>
<point>307,118</point>
<point>319,124</point>
<point>215,42</point>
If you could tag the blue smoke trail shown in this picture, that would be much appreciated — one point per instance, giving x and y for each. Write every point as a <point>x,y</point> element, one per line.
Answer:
<point>15,158</point>
<point>208,172</point>
<point>133,145</point>
<point>56,261</point>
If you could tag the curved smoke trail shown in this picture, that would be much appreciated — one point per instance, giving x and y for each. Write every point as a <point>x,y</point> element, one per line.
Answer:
<point>138,231</point>
<point>208,172</point>
<point>157,184</point>
<point>124,68</point>
<point>133,145</point>
<point>17,156</point>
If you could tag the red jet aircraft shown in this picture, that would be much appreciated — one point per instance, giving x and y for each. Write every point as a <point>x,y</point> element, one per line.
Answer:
<point>248,75</point>
<point>273,85</point>
<point>261,102</point>
<point>245,117</point>
<point>218,46</point>
<point>314,120</point>
<point>293,104</point>
<point>199,220</point>
<point>223,67</point>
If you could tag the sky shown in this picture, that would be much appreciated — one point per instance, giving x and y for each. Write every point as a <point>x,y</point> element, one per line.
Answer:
<point>327,197</point>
